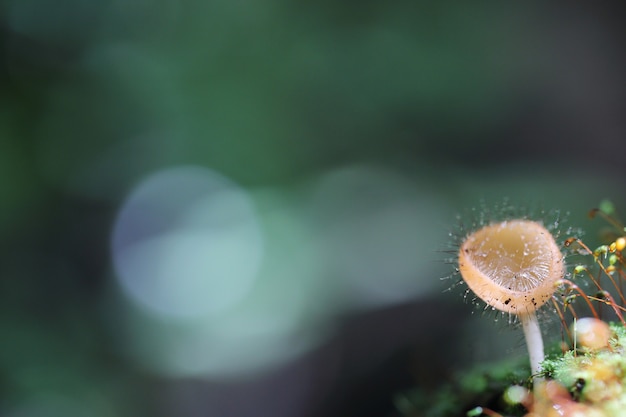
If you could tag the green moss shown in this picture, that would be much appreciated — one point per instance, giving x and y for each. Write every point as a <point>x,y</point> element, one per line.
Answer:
<point>481,386</point>
<point>595,377</point>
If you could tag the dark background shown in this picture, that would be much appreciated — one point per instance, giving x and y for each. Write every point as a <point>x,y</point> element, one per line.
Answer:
<point>335,142</point>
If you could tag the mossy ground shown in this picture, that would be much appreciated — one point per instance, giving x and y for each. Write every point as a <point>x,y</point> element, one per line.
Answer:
<point>595,379</point>
<point>480,386</point>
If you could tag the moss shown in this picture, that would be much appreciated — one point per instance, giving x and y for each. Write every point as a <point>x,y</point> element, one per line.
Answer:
<point>479,386</point>
<point>595,377</point>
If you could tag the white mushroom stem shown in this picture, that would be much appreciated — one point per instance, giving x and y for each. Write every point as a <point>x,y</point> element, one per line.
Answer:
<point>534,342</point>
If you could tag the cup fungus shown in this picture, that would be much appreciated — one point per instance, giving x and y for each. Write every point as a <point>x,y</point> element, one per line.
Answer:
<point>513,266</point>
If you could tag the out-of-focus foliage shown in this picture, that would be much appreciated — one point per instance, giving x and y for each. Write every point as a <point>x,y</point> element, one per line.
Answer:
<point>303,162</point>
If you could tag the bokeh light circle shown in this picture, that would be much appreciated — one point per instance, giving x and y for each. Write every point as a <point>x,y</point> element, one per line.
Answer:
<point>187,243</point>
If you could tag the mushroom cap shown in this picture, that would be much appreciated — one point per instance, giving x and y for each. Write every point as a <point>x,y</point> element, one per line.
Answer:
<point>512,265</point>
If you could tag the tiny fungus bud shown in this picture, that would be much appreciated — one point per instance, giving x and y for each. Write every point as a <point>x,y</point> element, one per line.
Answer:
<point>513,266</point>
<point>592,333</point>
<point>516,394</point>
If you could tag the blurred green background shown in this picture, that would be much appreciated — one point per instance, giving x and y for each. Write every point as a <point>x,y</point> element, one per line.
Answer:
<point>237,208</point>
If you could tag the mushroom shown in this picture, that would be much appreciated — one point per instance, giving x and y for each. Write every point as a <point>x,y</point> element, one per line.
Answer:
<point>513,266</point>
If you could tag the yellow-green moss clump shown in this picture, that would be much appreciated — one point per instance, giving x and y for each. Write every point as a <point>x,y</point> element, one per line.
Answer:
<point>595,377</point>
